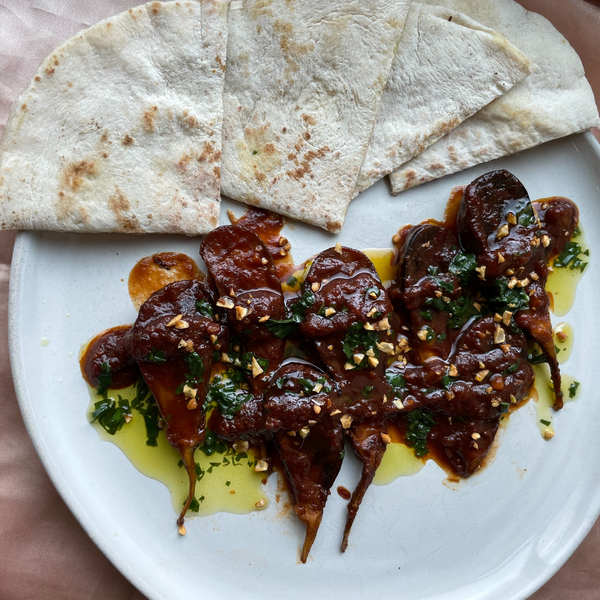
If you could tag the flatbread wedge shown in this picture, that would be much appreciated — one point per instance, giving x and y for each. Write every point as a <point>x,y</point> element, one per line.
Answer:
<point>303,85</point>
<point>554,101</point>
<point>120,128</point>
<point>446,68</point>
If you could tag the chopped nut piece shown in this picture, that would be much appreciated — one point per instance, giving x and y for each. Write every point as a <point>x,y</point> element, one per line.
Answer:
<point>477,306</point>
<point>349,366</point>
<point>335,412</point>
<point>545,241</point>
<point>174,320</point>
<point>481,272</point>
<point>256,368</point>
<point>506,317</point>
<point>500,258</point>
<point>523,282</point>
<point>260,503</point>
<point>358,357</point>
<point>438,293</point>
<point>315,286</point>
<point>373,362</point>
<point>384,324</point>
<point>346,421</point>
<point>426,245</point>
<point>511,284</point>
<point>422,334</point>
<point>502,232</point>
<point>535,241</point>
<point>453,371</point>
<point>317,409</point>
<point>338,248</point>
<point>385,347</point>
<point>499,335</point>
<point>497,318</point>
<point>318,387</point>
<point>182,325</point>
<point>282,241</point>
<point>264,319</point>
<point>475,445</point>
<point>282,252</point>
<point>562,336</point>
<point>225,358</point>
<point>188,345</point>
<point>548,434</point>
<point>511,218</point>
<point>241,446</point>
<point>446,299</point>
<point>225,302</point>
<point>475,436</point>
<point>240,312</point>
<point>213,339</point>
<point>505,348</point>
<point>232,293</point>
<point>510,272</point>
<point>396,238</point>
<point>127,418</point>
<point>385,438</point>
<point>384,401</point>
<point>489,390</point>
<point>181,530</point>
<point>371,312</point>
<point>192,404</point>
<point>398,404</point>
<point>449,395</point>
<point>264,260</point>
<point>261,465</point>
<point>534,276</point>
<point>482,374</point>
<point>495,403</point>
<point>481,365</point>
<point>330,348</point>
<point>304,432</point>
<point>373,295</point>
<point>189,392</point>
<point>370,352</point>
<point>330,311</point>
<point>291,433</point>
<point>403,344</point>
<point>513,399</point>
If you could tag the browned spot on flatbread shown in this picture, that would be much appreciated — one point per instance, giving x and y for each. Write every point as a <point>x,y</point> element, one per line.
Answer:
<point>209,153</point>
<point>49,70</point>
<point>23,106</point>
<point>333,226</point>
<point>155,8</point>
<point>308,119</point>
<point>217,171</point>
<point>184,161</point>
<point>437,167</point>
<point>269,148</point>
<point>104,137</point>
<point>292,50</point>
<point>190,120</point>
<point>38,78</point>
<point>127,140</point>
<point>259,174</point>
<point>292,156</point>
<point>73,175</point>
<point>305,166</point>
<point>410,179</point>
<point>120,207</point>
<point>148,118</point>
<point>221,64</point>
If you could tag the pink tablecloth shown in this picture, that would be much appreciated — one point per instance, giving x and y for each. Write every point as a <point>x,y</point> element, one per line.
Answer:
<point>44,553</point>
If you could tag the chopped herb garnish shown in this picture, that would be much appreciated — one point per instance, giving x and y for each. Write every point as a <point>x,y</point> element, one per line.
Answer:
<point>194,377</point>
<point>145,404</point>
<point>544,422</point>
<point>397,381</point>
<point>508,299</point>
<point>463,265</point>
<point>157,356</point>
<point>536,357</point>
<point>225,395</point>
<point>372,290</point>
<point>419,426</point>
<point>367,390</point>
<point>359,339</point>
<point>292,281</point>
<point>426,315</point>
<point>204,308</point>
<point>569,257</point>
<point>104,379</point>
<point>512,368</point>
<point>212,445</point>
<point>283,328</point>
<point>573,389</point>
<point>110,414</point>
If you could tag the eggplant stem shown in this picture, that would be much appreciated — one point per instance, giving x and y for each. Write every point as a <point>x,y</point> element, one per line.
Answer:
<point>187,453</point>
<point>312,520</point>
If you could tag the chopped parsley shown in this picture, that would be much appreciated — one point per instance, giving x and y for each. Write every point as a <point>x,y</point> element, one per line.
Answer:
<point>204,308</point>
<point>463,265</point>
<point>110,414</point>
<point>145,404</point>
<point>194,377</point>
<point>426,315</point>
<point>573,389</point>
<point>419,426</point>
<point>508,299</point>
<point>397,381</point>
<point>156,356</point>
<point>225,395</point>
<point>571,257</point>
<point>359,339</point>
<point>104,379</point>
<point>212,445</point>
<point>283,328</point>
<point>536,357</point>
<point>544,422</point>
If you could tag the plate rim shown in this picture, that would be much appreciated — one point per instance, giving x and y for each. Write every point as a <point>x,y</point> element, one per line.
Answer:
<point>19,257</point>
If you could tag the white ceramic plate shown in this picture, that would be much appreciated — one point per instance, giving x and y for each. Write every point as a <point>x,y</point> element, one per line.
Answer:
<point>499,535</point>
